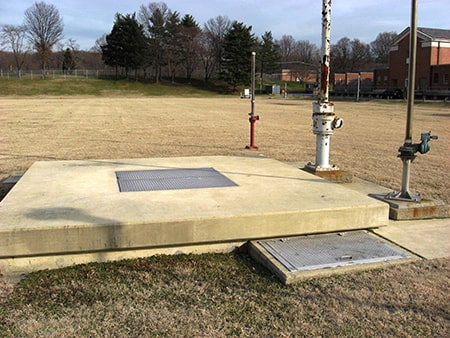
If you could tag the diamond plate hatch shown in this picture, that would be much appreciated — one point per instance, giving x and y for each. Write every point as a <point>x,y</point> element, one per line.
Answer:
<point>171,179</point>
<point>330,250</point>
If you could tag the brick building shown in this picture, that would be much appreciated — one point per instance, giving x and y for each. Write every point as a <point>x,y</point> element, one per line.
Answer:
<point>305,75</point>
<point>348,83</point>
<point>432,62</point>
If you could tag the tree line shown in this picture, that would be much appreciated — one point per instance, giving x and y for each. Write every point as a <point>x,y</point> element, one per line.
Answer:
<point>158,42</point>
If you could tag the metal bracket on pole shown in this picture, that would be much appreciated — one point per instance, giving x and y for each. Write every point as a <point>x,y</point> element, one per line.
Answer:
<point>407,154</point>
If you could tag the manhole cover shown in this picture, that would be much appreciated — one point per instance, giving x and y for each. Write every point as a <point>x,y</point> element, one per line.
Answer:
<point>171,179</point>
<point>330,250</point>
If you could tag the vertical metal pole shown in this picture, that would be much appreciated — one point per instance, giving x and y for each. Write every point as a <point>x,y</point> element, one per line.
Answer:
<point>252,113</point>
<point>411,70</point>
<point>326,47</point>
<point>410,105</point>
<point>359,87</point>
<point>253,118</point>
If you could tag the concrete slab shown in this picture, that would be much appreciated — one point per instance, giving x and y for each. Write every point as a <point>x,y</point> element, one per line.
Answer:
<point>426,238</point>
<point>427,208</point>
<point>75,207</point>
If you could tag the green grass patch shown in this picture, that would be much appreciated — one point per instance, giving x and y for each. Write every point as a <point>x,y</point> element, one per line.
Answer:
<point>70,85</point>
<point>105,87</point>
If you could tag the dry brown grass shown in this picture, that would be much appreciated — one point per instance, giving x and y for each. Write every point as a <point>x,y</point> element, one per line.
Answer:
<point>227,295</point>
<point>222,295</point>
<point>34,129</point>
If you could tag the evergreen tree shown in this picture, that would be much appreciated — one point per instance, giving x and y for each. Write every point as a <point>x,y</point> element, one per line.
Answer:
<point>238,46</point>
<point>68,61</point>
<point>125,45</point>
<point>189,44</point>
<point>268,54</point>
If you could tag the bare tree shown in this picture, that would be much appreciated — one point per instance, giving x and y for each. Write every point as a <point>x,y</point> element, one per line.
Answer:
<point>101,41</point>
<point>341,53</point>
<point>350,56</point>
<point>206,55</point>
<point>213,41</point>
<point>44,29</point>
<point>381,46</point>
<point>361,59</point>
<point>287,47</point>
<point>73,44</point>
<point>307,52</point>
<point>14,38</point>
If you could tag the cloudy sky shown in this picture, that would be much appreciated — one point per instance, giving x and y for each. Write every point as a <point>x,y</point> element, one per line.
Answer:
<point>87,20</point>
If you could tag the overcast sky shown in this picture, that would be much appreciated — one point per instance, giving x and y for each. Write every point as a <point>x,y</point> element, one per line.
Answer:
<point>87,20</point>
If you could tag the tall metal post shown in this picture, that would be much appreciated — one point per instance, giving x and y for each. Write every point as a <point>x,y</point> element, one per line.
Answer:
<point>411,70</point>
<point>407,160</point>
<point>409,149</point>
<point>253,118</point>
<point>324,118</point>
<point>252,111</point>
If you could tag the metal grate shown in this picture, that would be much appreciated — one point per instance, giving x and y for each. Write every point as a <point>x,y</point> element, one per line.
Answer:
<point>330,250</point>
<point>171,179</point>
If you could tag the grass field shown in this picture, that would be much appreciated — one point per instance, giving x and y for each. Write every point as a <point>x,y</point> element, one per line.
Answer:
<point>74,86</point>
<point>217,295</point>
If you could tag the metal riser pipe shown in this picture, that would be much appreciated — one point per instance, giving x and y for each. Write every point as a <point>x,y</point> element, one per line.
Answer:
<point>323,152</point>
<point>324,119</point>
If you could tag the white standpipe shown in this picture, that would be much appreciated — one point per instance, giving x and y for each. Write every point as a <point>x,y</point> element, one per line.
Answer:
<point>324,118</point>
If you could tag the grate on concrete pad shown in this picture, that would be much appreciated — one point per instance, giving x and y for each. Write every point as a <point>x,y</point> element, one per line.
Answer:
<point>171,179</point>
<point>330,250</point>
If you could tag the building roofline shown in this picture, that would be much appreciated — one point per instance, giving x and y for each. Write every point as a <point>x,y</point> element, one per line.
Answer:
<point>427,34</point>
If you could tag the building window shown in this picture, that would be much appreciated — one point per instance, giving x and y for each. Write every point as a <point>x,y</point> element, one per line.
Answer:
<point>445,79</point>
<point>435,78</point>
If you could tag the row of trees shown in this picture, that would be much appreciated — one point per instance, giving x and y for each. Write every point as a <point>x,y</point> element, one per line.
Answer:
<point>159,42</point>
<point>158,38</point>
